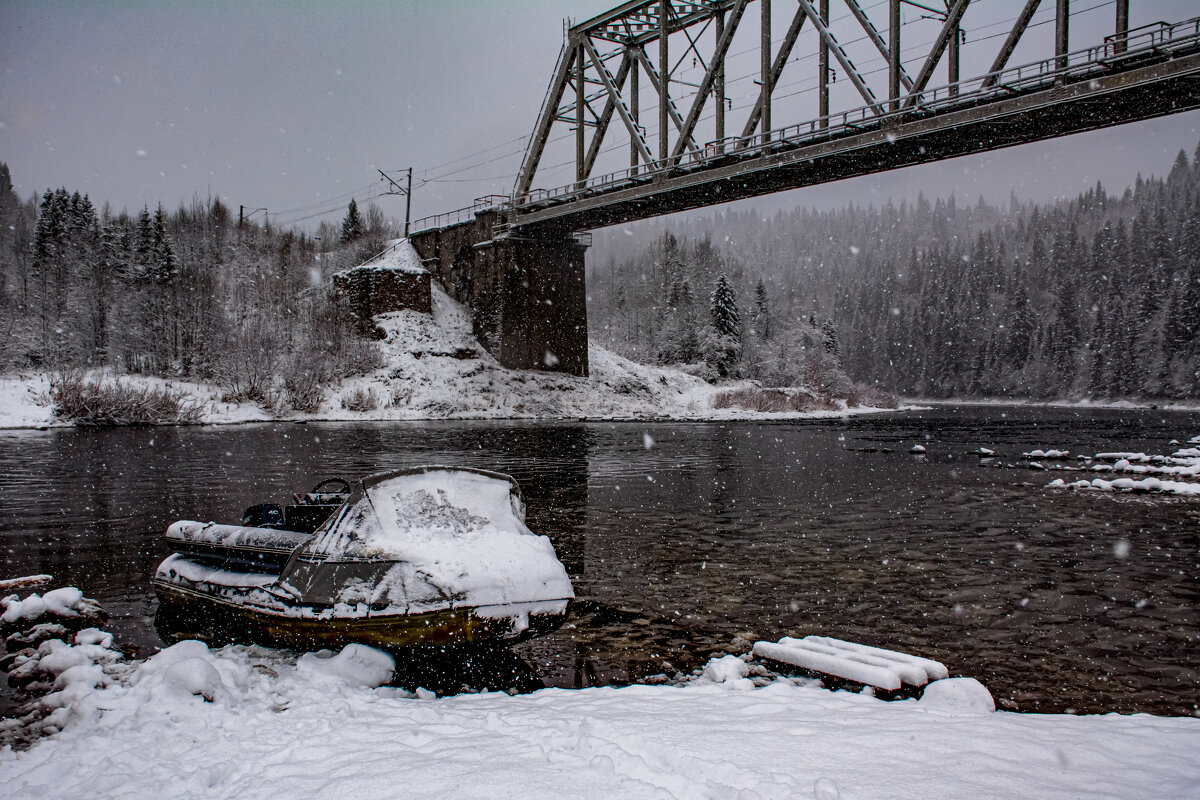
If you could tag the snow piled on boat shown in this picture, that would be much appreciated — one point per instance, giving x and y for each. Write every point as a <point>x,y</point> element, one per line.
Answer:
<point>442,537</point>
<point>250,722</point>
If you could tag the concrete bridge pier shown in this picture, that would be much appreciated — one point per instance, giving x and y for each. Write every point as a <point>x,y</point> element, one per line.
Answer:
<point>526,292</point>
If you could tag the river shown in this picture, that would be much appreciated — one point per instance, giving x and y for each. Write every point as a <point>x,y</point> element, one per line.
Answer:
<point>689,539</point>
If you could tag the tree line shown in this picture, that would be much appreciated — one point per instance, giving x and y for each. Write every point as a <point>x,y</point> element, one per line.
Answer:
<point>1097,296</point>
<point>189,293</point>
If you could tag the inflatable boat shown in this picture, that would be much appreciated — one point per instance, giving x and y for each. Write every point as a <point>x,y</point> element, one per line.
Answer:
<point>427,556</point>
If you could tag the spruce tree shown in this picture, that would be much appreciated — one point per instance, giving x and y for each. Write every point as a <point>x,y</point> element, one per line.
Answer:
<point>352,225</point>
<point>762,311</point>
<point>723,307</point>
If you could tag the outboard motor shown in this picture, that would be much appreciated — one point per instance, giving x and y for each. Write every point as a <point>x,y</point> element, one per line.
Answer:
<point>263,515</point>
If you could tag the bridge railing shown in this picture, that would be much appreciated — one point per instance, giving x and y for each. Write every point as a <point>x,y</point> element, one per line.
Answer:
<point>461,215</point>
<point>1137,44</point>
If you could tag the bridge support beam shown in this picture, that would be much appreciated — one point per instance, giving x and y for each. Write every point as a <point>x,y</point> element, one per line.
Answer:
<point>527,295</point>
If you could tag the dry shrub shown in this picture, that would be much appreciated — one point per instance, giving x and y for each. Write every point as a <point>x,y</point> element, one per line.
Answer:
<point>113,403</point>
<point>247,364</point>
<point>773,400</point>
<point>360,400</point>
<point>871,397</point>
<point>358,356</point>
<point>303,391</point>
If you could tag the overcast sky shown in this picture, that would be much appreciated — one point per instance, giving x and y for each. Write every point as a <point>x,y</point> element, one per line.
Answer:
<point>291,106</point>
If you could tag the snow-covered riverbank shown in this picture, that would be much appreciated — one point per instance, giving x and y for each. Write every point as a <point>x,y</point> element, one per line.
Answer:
<point>435,369</point>
<point>250,722</point>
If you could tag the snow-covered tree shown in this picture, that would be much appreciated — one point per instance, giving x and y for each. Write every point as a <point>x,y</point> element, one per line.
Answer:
<point>352,224</point>
<point>723,310</point>
<point>762,311</point>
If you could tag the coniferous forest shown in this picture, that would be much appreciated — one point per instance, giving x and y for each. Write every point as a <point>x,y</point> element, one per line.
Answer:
<point>1098,296</point>
<point>1095,297</point>
<point>191,293</point>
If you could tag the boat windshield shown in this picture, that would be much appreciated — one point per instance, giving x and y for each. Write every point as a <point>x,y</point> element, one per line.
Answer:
<point>394,512</point>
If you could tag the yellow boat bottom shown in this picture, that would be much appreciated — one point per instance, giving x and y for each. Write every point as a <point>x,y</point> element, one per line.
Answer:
<point>187,614</point>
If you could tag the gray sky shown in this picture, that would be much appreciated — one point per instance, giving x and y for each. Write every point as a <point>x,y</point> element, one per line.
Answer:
<point>292,105</point>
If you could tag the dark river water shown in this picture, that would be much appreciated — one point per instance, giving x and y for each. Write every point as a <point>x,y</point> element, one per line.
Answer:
<point>715,535</point>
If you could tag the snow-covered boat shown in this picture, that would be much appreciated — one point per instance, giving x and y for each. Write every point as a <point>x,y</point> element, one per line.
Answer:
<point>426,556</point>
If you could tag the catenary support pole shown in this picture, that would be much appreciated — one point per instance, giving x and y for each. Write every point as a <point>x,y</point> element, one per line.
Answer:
<point>894,55</point>
<point>1062,38</point>
<point>719,83</point>
<point>1120,43</point>
<point>952,61</point>
<point>408,205</point>
<point>765,67</point>
<point>823,71</point>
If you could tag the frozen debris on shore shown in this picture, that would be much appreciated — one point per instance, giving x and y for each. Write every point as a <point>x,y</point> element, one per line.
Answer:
<point>67,603</point>
<point>873,666</point>
<point>53,659</point>
<point>917,449</point>
<point>984,452</point>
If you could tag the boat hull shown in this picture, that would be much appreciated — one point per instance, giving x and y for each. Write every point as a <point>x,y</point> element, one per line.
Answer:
<point>189,614</point>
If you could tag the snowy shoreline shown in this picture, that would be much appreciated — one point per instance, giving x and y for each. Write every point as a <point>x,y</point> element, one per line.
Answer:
<point>23,407</point>
<point>249,721</point>
<point>434,369</point>
<point>272,724</point>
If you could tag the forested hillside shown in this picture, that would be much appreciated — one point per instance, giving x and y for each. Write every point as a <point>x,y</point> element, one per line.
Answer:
<point>1095,297</point>
<point>190,293</point>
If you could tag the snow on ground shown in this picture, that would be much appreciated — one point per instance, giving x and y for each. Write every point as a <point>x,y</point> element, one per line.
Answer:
<point>24,401</point>
<point>424,379</point>
<point>435,369</point>
<point>250,722</point>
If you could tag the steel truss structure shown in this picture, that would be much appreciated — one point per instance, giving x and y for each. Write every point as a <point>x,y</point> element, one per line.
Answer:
<point>605,60</point>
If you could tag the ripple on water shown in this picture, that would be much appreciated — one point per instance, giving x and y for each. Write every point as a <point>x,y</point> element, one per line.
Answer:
<point>716,535</point>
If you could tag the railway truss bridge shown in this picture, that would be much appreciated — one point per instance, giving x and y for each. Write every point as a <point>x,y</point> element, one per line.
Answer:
<point>656,73</point>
